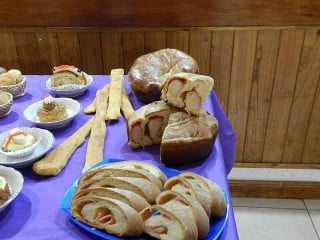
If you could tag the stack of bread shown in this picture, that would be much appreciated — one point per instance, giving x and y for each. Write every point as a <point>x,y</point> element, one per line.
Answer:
<point>13,82</point>
<point>178,122</point>
<point>129,198</point>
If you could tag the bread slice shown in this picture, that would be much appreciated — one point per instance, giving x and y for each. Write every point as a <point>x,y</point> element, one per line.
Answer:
<point>172,201</point>
<point>164,224</point>
<point>143,187</point>
<point>139,165</point>
<point>145,126</point>
<point>129,197</point>
<point>187,91</point>
<point>111,215</point>
<point>188,139</point>
<point>105,171</point>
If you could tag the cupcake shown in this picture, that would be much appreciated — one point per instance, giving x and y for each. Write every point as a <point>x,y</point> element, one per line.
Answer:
<point>51,110</point>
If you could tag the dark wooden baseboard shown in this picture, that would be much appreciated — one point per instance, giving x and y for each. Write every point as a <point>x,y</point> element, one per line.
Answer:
<point>274,189</point>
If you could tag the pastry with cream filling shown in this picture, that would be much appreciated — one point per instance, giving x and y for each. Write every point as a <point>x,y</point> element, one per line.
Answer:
<point>66,74</point>
<point>51,110</point>
<point>18,140</point>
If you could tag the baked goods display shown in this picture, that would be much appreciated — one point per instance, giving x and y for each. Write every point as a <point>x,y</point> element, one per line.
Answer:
<point>51,110</point>
<point>6,100</point>
<point>18,140</point>
<point>187,91</point>
<point>4,190</point>
<point>180,208</point>
<point>183,138</point>
<point>13,82</point>
<point>148,72</point>
<point>67,74</point>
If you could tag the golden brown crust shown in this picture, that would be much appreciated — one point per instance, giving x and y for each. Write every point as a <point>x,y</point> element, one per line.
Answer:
<point>188,139</point>
<point>148,72</point>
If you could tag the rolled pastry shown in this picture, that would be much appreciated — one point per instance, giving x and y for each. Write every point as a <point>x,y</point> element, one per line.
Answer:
<point>145,126</point>
<point>109,214</point>
<point>138,165</point>
<point>173,200</point>
<point>187,91</point>
<point>143,187</point>
<point>105,171</point>
<point>129,197</point>
<point>164,224</point>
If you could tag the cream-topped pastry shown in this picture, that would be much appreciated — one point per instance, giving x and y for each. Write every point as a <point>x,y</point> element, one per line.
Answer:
<point>51,110</point>
<point>66,74</point>
<point>18,140</point>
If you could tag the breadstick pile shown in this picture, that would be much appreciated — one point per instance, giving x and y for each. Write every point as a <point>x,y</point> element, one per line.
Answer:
<point>109,103</point>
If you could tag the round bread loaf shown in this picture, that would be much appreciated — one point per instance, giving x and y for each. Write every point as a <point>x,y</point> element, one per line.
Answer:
<point>148,72</point>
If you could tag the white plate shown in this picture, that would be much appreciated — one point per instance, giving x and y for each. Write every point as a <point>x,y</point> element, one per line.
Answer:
<point>47,141</point>
<point>73,108</point>
<point>70,90</point>
<point>23,152</point>
<point>15,182</point>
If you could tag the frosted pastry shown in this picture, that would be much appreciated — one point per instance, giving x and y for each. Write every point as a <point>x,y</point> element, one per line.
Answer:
<point>18,140</point>
<point>51,111</point>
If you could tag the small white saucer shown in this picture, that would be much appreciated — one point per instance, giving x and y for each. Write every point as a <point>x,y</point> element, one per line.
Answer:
<point>70,90</point>
<point>73,108</point>
<point>15,182</point>
<point>46,142</point>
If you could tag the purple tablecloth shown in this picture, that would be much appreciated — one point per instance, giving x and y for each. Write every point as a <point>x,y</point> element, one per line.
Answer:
<point>35,213</point>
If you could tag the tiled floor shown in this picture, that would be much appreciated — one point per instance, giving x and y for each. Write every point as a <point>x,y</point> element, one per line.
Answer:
<point>277,219</point>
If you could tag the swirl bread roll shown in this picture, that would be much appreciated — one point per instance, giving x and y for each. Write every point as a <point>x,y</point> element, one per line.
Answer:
<point>161,223</point>
<point>111,215</point>
<point>148,72</point>
<point>187,91</point>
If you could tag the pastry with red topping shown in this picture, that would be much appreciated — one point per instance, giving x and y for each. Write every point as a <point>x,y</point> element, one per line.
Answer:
<point>18,140</point>
<point>51,110</point>
<point>67,74</point>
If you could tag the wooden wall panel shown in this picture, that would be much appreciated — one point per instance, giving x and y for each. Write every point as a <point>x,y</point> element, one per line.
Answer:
<point>282,96</point>
<point>8,51</point>
<point>179,40</point>
<point>311,152</point>
<point>90,50</point>
<point>133,47</point>
<point>303,98</point>
<point>28,53</point>
<point>220,64</point>
<point>199,48</point>
<point>111,50</point>
<point>48,50</point>
<point>69,49</point>
<point>154,41</point>
<point>240,85</point>
<point>262,82</point>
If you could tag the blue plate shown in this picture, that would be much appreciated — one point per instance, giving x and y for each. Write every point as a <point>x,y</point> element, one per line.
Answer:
<point>216,224</point>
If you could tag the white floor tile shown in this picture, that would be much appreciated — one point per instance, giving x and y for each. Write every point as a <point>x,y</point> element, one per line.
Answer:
<point>269,203</point>
<point>312,204</point>
<point>273,224</point>
<point>315,216</point>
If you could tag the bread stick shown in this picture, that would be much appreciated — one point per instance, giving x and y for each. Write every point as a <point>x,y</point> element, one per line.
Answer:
<point>126,106</point>
<point>115,93</point>
<point>95,147</point>
<point>54,162</point>
<point>92,107</point>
